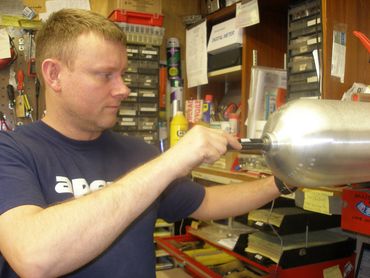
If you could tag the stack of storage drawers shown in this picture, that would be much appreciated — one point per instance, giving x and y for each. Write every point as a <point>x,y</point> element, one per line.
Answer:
<point>304,39</point>
<point>138,114</point>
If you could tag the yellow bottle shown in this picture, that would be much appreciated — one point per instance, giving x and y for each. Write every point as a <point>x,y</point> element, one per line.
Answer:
<point>179,126</point>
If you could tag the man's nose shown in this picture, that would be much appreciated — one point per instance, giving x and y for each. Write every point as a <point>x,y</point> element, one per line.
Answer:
<point>120,88</point>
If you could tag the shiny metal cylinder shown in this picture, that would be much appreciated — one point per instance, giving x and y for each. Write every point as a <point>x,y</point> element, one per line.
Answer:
<point>316,143</point>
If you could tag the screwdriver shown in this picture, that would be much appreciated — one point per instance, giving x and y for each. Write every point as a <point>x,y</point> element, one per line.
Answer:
<point>37,93</point>
<point>11,97</point>
<point>20,88</point>
<point>20,79</point>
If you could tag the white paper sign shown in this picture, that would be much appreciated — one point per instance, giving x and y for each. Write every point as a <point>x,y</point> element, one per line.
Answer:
<point>338,57</point>
<point>56,5</point>
<point>4,44</point>
<point>247,13</point>
<point>196,55</point>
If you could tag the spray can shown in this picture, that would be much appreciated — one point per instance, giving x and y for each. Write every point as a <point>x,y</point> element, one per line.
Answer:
<point>173,58</point>
<point>233,122</point>
<point>176,95</point>
<point>179,126</point>
<point>207,108</point>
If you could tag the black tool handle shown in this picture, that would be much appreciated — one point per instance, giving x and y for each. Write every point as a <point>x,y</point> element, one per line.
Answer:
<point>252,144</point>
<point>11,95</point>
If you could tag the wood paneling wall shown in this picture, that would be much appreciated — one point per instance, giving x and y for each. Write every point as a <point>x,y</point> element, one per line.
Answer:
<point>352,15</point>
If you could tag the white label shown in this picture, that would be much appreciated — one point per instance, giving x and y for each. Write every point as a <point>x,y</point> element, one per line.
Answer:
<point>127,112</point>
<point>313,22</point>
<point>313,41</point>
<point>312,79</point>
<point>127,119</point>
<point>133,50</point>
<point>152,52</point>
<point>148,109</point>
<point>128,123</point>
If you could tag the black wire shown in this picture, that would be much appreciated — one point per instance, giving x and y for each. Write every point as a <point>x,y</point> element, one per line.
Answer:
<point>14,49</point>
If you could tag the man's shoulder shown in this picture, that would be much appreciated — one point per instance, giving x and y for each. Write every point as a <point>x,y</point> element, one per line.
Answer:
<point>23,141</point>
<point>11,136</point>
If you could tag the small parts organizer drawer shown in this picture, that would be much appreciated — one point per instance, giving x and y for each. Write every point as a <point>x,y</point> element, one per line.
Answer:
<point>202,258</point>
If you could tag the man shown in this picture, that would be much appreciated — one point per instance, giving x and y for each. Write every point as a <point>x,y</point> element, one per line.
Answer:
<point>79,200</point>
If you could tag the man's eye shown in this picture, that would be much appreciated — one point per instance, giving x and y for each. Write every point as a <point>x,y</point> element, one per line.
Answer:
<point>108,75</point>
<point>105,75</point>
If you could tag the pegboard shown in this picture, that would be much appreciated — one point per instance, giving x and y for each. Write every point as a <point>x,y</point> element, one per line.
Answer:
<point>24,45</point>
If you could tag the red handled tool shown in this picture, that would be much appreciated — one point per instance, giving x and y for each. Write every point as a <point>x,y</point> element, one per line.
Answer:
<point>20,80</point>
<point>363,39</point>
<point>23,107</point>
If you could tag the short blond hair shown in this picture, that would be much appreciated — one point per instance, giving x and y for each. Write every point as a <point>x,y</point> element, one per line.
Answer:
<point>58,35</point>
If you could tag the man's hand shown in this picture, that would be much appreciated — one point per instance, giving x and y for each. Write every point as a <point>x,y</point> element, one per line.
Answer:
<point>200,144</point>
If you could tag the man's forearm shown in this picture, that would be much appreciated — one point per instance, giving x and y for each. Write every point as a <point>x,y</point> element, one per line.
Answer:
<point>236,199</point>
<point>83,227</point>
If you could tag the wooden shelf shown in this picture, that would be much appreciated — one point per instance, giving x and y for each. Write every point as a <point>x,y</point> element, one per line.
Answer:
<point>222,176</point>
<point>226,74</point>
<point>221,15</point>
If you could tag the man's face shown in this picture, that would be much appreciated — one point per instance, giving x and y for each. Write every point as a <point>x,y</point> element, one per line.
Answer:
<point>92,88</point>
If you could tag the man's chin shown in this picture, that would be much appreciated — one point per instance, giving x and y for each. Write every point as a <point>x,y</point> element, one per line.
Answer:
<point>107,124</point>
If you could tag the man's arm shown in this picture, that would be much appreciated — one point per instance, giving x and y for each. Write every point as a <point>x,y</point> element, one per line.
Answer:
<point>232,200</point>
<point>36,241</point>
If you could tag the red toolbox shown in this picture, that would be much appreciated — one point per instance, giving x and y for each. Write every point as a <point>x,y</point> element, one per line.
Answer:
<point>136,17</point>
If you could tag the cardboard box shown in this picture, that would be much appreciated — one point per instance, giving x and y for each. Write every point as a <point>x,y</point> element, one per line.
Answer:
<point>146,6</point>
<point>225,36</point>
<point>356,210</point>
<point>194,110</point>
<point>37,5</point>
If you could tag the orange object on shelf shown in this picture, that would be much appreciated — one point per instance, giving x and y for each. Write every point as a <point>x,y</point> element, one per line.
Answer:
<point>136,18</point>
<point>162,87</point>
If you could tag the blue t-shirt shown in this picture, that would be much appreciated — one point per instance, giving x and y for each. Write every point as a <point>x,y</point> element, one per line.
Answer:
<point>39,166</point>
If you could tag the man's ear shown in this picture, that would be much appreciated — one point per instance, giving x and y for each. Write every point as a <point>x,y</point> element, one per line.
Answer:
<point>50,70</point>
